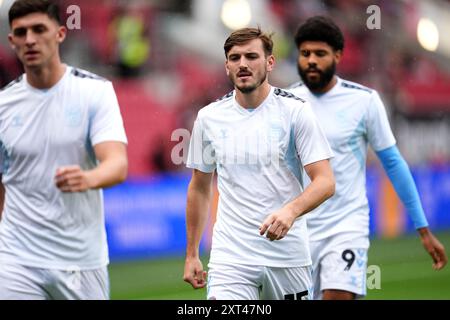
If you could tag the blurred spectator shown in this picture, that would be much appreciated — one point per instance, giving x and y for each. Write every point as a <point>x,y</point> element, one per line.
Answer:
<point>160,156</point>
<point>132,45</point>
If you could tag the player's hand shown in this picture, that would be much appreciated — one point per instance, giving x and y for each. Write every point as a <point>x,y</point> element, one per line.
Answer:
<point>72,179</point>
<point>434,248</point>
<point>194,273</point>
<point>278,223</point>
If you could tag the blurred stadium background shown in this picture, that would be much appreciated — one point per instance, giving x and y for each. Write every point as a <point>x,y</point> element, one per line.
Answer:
<point>165,59</point>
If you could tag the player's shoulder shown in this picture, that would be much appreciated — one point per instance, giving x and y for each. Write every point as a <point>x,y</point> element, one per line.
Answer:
<point>11,93</point>
<point>224,99</point>
<point>12,85</point>
<point>287,95</point>
<point>296,85</point>
<point>355,88</point>
<point>297,88</point>
<point>216,105</point>
<point>86,76</point>
<point>87,83</point>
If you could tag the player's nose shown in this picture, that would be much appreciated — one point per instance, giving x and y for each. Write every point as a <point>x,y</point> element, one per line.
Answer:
<point>243,63</point>
<point>30,38</point>
<point>312,60</point>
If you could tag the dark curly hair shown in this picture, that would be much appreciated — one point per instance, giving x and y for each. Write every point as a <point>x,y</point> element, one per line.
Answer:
<point>320,28</point>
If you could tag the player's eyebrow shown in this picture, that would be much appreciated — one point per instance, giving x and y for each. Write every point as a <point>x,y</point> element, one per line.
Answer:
<point>251,54</point>
<point>316,51</point>
<point>21,31</point>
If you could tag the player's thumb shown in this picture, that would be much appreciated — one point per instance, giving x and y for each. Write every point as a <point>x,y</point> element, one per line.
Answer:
<point>199,274</point>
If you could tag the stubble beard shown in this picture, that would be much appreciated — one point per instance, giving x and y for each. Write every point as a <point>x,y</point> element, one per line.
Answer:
<point>251,88</point>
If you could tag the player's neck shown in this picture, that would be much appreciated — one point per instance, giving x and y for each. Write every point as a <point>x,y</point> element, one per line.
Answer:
<point>45,77</point>
<point>328,87</point>
<point>254,98</point>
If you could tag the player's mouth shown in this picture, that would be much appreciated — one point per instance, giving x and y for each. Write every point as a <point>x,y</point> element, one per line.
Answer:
<point>244,75</point>
<point>31,54</point>
<point>313,72</point>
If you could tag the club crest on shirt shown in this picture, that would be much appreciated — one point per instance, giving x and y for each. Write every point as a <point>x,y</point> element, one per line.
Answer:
<point>72,116</point>
<point>224,133</point>
<point>17,121</point>
<point>276,131</point>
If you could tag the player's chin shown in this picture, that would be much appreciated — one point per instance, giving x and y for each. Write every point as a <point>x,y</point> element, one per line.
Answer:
<point>32,64</point>
<point>247,88</point>
<point>313,78</point>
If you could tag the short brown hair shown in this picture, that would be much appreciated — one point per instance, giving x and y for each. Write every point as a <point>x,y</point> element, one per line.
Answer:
<point>244,35</point>
<point>21,8</point>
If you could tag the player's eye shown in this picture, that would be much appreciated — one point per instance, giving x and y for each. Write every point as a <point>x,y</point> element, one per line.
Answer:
<point>252,56</point>
<point>321,53</point>
<point>20,32</point>
<point>233,57</point>
<point>39,29</point>
<point>305,53</point>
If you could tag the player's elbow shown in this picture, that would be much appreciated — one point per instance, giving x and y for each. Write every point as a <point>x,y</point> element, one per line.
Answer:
<point>329,187</point>
<point>123,171</point>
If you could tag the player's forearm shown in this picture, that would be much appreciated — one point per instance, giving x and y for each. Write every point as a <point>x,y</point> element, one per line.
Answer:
<point>401,178</point>
<point>197,210</point>
<point>108,173</point>
<point>320,189</point>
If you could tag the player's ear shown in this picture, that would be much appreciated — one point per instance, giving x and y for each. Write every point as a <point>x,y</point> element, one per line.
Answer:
<point>11,43</point>
<point>226,67</point>
<point>270,62</point>
<point>338,56</point>
<point>61,34</point>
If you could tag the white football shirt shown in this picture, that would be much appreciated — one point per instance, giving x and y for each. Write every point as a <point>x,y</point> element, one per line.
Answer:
<point>40,131</point>
<point>259,157</point>
<point>352,117</point>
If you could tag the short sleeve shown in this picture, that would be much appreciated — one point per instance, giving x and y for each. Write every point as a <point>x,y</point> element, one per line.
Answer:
<point>106,122</point>
<point>379,131</point>
<point>201,154</point>
<point>310,140</point>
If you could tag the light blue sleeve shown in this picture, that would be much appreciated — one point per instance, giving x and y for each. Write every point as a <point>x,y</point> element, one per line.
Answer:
<point>398,172</point>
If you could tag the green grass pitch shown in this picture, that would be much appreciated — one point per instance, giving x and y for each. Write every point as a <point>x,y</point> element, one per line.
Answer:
<point>406,273</point>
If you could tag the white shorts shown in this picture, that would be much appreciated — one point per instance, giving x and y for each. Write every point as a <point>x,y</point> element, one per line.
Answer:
<point>18,282</point>
<point>340,263</point>
<point>248,282</point>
